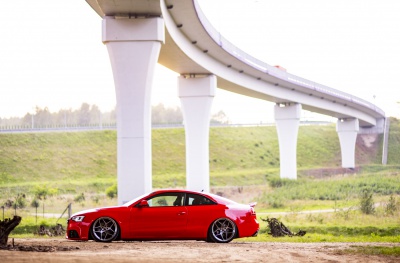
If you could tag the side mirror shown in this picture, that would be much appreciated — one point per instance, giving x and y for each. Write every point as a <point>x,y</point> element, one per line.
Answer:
<point>143,203</point>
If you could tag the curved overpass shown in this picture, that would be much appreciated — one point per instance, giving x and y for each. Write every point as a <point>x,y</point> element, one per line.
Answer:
<point>134,30</point>
<point>193,47</point>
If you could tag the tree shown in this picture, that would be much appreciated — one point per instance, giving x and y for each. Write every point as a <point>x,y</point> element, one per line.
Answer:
<point>95,115</point>
<point>161,115</point>
<point>391,206</point>
<point>6,227</point>
<point>28,120</point>
<point>220,117</point>
<point>42,117</point>
<point>20,202</point>
<point>84,115</point>
<point>64,117</point>
<point>92,115</point>
<point>367,202</point>
<point>35,204</point>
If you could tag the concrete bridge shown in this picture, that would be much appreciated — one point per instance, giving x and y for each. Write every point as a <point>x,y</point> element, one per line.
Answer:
<point>175,33</point>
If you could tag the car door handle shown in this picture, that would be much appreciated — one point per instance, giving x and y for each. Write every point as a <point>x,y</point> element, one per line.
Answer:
<point>181,213</point>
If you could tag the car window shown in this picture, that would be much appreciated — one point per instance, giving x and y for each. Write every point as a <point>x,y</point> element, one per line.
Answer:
<point>194,199</point>
<point>222,200</point>
<point>166,199</point>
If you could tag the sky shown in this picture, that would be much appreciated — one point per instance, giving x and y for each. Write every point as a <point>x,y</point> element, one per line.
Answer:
<point>51,54</point>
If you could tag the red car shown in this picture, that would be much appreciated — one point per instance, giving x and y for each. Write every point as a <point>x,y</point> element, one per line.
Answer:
<point>167,214</point>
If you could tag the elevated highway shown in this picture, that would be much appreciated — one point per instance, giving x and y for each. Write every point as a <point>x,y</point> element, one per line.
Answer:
<point>176,34</point>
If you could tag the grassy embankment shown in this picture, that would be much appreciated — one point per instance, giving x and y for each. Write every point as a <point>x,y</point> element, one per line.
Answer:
<point>78,167</point>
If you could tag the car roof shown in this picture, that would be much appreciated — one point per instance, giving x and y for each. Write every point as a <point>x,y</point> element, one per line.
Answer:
<point>176,191</point>
<point>217,198</point>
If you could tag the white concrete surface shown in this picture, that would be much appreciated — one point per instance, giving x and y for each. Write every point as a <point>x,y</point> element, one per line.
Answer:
<point>196,95</point>
<point>133,46</point>
<point>287,120</point>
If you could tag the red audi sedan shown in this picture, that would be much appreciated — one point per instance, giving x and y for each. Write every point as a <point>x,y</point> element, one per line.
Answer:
<point>167,214</point>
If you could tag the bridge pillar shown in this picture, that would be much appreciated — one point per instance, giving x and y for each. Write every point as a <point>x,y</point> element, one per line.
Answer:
<point>196,95</point>
<point>287,120</point>
<point>347,131</point>
<point>133,46</point>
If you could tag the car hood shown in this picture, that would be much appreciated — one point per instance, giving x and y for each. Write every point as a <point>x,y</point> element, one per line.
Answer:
<point>94,210</point>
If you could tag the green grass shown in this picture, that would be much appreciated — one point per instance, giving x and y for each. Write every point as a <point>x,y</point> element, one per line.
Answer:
<point>57,156</point>
<point>28,226</point>
<point>372,250</point>
<point>80,166</point>
<point>394,142</point>
<point>338,226</point>
<point>238,155</point>
<point>322,238</point>
<point>334,188</point>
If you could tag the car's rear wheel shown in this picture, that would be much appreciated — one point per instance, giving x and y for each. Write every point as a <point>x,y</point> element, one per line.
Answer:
<point>104,229</point>
<point>222,230</point>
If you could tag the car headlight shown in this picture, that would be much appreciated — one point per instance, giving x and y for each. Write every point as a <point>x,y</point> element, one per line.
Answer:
<point>77,218</point>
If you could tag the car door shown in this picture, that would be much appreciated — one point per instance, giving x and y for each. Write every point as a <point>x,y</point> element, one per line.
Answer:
<point>163,218</point>
<point>201,212</point>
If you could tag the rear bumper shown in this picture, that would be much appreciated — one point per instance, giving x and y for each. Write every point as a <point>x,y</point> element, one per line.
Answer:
<point>249,228</point>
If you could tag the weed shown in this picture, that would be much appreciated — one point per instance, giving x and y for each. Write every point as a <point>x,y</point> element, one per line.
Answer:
<point>43,191</point>
<point>373,250</point>
<point>367,202</point>
<point>95,199</point>
<point>276,202</point>
<point>112,191</point>
<point>80,198</point>
<point>391,206</point>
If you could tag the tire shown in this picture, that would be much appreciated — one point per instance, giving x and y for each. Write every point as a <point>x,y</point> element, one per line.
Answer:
<point>104,229</point>
<point>222,230</point>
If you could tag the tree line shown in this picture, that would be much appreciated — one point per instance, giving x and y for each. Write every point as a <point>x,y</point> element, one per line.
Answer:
<point>91,115</point>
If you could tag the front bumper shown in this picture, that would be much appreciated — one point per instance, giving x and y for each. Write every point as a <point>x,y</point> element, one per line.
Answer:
<point>77,230</point>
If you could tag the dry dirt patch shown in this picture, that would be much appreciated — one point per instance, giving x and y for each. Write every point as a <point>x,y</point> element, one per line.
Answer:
<point>184,251</point>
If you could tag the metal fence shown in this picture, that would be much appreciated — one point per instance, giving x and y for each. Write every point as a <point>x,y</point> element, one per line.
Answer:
<point>113,126</point>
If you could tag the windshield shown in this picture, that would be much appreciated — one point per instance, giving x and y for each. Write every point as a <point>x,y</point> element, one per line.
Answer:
<point>134,200</point>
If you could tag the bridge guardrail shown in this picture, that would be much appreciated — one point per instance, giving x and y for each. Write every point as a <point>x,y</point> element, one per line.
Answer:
<point>271,70</point>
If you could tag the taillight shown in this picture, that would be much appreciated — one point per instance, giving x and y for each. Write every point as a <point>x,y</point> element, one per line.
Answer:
<point>252,211</point>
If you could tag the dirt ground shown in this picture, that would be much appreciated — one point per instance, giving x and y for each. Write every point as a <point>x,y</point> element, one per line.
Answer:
<point>62,250</point>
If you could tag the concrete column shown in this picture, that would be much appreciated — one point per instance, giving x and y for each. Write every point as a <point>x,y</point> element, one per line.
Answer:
<point>347,131</point>
<point>133,46</point>
<point>287,120</point>
<point>196,95</point>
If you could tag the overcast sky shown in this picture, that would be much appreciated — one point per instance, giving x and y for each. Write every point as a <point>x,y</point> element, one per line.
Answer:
<point>51,52</point>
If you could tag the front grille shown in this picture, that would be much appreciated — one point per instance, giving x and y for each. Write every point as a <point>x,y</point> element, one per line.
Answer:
<point>73,234</point>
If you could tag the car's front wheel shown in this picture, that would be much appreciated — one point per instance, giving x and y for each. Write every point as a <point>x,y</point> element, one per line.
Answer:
<point>222,230</point>
<point>104,229</point>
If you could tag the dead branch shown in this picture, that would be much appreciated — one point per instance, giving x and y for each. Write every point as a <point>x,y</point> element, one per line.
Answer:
<point>6,227</point>
<point>278,229</point>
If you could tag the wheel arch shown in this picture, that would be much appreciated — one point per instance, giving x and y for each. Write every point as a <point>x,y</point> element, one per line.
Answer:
<point>118,222</point>
<point>210,237</point>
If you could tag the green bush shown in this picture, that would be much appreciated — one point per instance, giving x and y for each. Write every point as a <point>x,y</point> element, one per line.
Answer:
<point>367,202</point>
<point>35,203</point>
<point>391,206</point>
<point>276,202</point>
<point>43,191</point>
<point>20,201</point>
<point>80,198</point>
<point>278,182</point>
<point>112,191</point>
